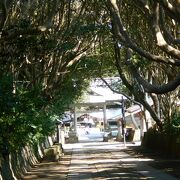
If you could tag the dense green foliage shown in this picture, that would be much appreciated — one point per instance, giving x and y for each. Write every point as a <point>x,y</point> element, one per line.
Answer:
<point>50,50</point>
<point>174,126</point>
<point>22,118</point>
<point>43,66</point>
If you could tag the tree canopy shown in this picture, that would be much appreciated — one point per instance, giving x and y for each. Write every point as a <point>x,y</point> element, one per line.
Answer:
<point>41,44</point>
<point>146,46</point>
<point>49,50</point>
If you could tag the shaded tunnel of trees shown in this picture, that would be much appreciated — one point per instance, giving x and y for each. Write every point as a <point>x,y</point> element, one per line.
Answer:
<point>50,51</point>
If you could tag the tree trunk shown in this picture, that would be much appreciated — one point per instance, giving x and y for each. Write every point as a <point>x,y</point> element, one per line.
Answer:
<point>7,171</point>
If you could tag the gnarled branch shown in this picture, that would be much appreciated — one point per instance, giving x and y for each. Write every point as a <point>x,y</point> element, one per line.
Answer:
<point>124,37</point>
<point>152,88</point>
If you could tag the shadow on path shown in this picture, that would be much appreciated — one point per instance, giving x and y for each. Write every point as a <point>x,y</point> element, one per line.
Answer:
<point>106,161</point>
<point>161,162</point>
<point>50,170</point>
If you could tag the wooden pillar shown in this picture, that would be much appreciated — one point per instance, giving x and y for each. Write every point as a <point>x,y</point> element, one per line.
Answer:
<point>75,121</point>
<point>105,118</point>
<point>134,121</point>
<point>58,133</point>
<point>123,121</point>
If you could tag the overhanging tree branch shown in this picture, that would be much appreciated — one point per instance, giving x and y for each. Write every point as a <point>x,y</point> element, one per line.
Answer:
<point>159,36</point>
<point>139,96</point>
<point>167,34</point>
<point>151,88</point>
<point>123,35</point>
<point>171,9</point>
<point>118,92</point>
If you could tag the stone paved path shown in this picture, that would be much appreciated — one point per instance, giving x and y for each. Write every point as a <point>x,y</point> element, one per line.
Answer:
<point>106,161</point>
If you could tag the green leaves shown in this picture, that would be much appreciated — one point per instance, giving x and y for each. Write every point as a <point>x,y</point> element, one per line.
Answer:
<point>139,61</point>
<point>176,121</point>
<point>7,98</point>
<point>22,116</point>
<point>172,127</point>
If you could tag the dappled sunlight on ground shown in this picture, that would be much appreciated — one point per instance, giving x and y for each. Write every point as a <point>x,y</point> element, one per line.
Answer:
<point>50,170</point>
<point>101,160</point>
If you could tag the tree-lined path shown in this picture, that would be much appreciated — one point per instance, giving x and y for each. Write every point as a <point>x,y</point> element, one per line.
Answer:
<point>99,160</point>
<point>51,51</point>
